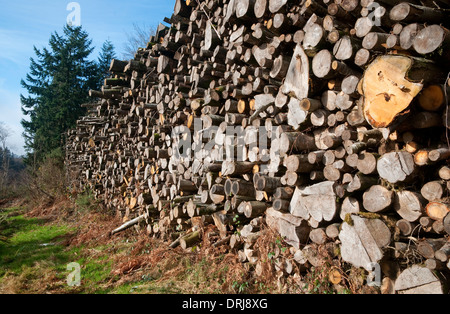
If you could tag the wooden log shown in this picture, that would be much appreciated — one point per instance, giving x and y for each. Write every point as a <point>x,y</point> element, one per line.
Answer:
<point>345,48</point>
<point>417,280</point>
<point>332,230</point>
<point>281,205</point>
<point>444,173</point>
<point>432,98</point>
<point>407,35</point>
<point>375,41</point>
<point>314,40</point>
<point>331,173</point>
<point>322,64</point>
<point>260,8</point>
<point>409,12</point>
<point>245,8</point>
<point>310,105</point>
<point>421,157</point>
<point>437,210</point>
<point>296,115</point>
<point>361,182</point>
<point>432,38</point>
<point>276,5</point>
<point>367,163</point>
<point>267,184</point>
<point>318,236</point>
<point>297,77</point>
<point>428,247</point>
<point>117,66</point>
<point>296,142</point>
<point>363,26</point>
<point>446,223</point>
<point>396,167</point>
<point>190,240</point>
<point>439,154</point>
<point>230,168</point>
<point>443,254</point>
<point>212,38</point>
<point>362,242</point>
<point>280,67</point>
<point>298,163</point>
<point>409,205</point>
<point>181,9</point>
<point>432,191</point>
<point>434,264</point>
<point>350,205</point>
<point>377,199</point>
<point>295,231</point>
<point>317,201</point>
<point>406,228</point>
<point>254,209</point>
<point>284,193</point>
<point>241,188</point>
<point>128,224</point>
<point>380,94</point>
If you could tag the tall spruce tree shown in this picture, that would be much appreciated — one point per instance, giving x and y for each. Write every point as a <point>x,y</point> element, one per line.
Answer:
<point>58,83</point>
<point>104,61</point>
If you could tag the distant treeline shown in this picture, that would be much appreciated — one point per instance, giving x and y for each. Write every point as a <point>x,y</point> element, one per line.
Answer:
<point>11,167</point>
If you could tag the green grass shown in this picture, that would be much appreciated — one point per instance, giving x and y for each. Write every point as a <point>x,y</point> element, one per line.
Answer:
<point>34,255</point>
<point>27,241</point>
<point>34,259</point>
<point>30,247</point>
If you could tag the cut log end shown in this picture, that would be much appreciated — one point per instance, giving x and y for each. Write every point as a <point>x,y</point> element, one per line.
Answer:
<point>387,91</point>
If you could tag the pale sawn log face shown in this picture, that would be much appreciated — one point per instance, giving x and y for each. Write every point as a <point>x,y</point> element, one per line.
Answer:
<point>386,89</point>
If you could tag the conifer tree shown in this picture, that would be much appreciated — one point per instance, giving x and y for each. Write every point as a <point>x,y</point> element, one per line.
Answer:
<point>59,81</point>
<point>104,61</point>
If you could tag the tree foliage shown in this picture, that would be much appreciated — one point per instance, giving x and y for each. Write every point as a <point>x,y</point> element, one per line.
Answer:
<point>107,54</point>
<point>59,81</point>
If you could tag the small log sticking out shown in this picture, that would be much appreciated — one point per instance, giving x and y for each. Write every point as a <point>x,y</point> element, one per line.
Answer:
<point>128,224</point>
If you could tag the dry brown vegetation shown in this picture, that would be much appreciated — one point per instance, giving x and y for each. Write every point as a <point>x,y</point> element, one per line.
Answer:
<point>133,262</point>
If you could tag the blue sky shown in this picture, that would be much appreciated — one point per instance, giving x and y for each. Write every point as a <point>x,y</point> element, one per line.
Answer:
<point>28,23</point>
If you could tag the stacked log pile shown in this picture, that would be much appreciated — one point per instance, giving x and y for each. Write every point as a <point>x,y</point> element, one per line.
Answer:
<point>326,120</point>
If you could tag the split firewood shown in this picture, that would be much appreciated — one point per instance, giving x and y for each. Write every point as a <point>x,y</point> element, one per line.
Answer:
<point>363,241</point>
<point>417,280</point>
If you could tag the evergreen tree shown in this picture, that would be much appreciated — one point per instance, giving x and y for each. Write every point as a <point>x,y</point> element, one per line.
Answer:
<point>104,61</point>
<point>58,83</point>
